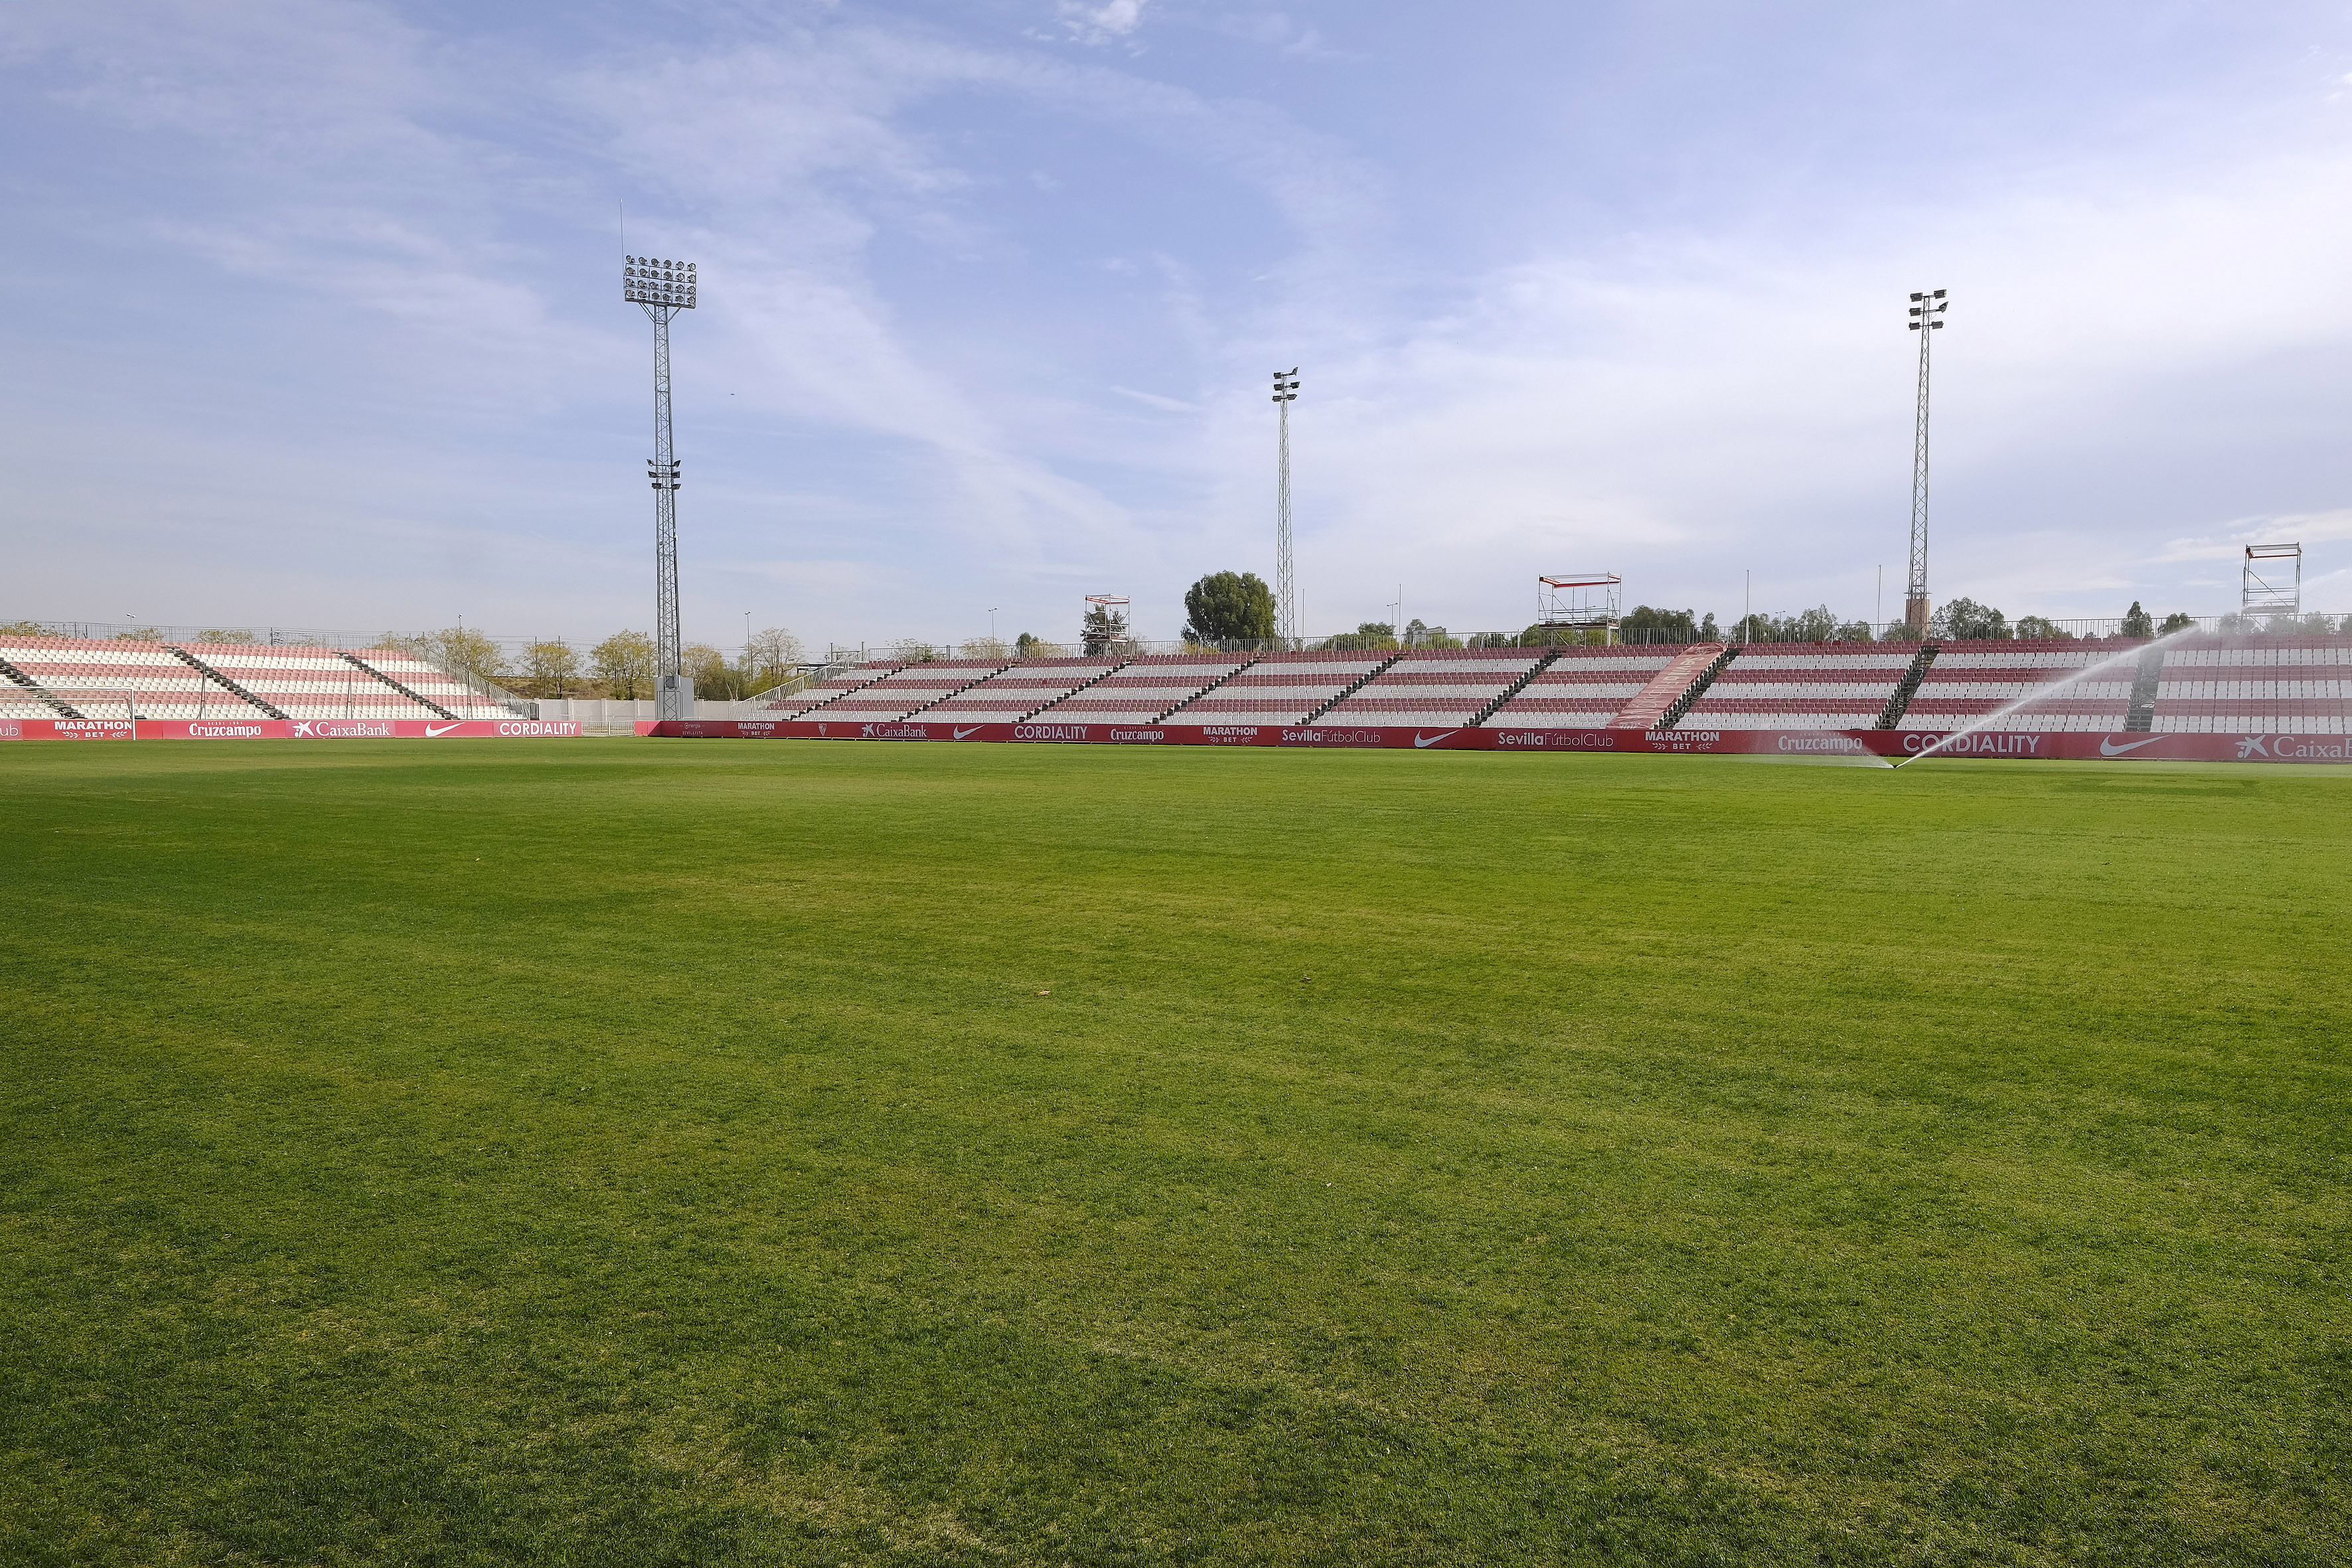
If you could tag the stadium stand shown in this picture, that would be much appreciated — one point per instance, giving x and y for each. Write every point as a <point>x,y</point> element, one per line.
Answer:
<point>840,684</point>
<point>1144,688</point>
<point>308,683</point>
<point>158,683</point>
<point>1972,680</point>
<point>1803,686</point>
<point>2257,685</point>
<point>1013,694</point>
<point>435,691</point>
<point>1282,687</point>
<point>1584,687</point>
<point>1436,686</point>
<point>910,690</point>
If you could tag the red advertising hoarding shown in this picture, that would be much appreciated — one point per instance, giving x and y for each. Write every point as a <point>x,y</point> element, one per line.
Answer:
<point>1896,745</point>
<point>292,729</point>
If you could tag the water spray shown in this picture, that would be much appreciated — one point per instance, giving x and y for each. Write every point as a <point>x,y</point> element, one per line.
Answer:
<point>2129,655</point>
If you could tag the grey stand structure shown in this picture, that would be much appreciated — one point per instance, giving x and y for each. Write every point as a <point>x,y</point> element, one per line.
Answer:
<point>663,288</point>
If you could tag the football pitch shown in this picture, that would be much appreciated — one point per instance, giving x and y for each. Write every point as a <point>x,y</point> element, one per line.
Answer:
<point>638,1153</point>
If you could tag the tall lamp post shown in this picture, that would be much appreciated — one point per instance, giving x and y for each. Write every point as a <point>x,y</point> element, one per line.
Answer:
<point>1286,586</point>
<point>1926,320</point>
<point>662,289</point>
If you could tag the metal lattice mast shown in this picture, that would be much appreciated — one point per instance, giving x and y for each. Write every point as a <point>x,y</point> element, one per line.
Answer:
<point>1927,319</point>
<point>1285,585</point>
<point>663,288</point>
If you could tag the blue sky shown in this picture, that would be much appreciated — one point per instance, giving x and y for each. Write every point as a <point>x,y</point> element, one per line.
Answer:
<point>318,319</point>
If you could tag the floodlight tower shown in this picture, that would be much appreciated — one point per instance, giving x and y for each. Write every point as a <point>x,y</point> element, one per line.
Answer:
<point>1285,587</point>
<point>1927,319</point>
<point>662,289</point>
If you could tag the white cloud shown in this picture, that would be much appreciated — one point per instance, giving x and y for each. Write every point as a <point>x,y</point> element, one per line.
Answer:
<point>1110,22</point>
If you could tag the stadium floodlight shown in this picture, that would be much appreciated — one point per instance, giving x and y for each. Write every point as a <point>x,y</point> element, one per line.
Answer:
<point>1927,308</point>
<point>1285,587</point>
<point>662,287</point>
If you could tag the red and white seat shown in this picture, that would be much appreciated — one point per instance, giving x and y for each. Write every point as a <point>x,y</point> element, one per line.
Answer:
<point>1803,686</point>
<point>1436,686</point>
<point>1144,688</point>
<point>1281,687</point>
<point>1012,695</point>
<point>310,682</point>
<point>2030,684</point>
<point>908,689</point>
<point>1583,688</point>
<point>429,681</point>
<point>2255,686</point>
<point>148,676</point>
<point>841,684</point>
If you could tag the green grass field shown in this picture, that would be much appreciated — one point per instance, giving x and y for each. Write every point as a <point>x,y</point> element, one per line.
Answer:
<point>635,1152</point>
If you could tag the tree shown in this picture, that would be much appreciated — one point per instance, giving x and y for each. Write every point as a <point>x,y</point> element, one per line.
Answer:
<point>2136,623</point>
<point>913,650</point>
<point>706,668</point>
<point>1493,639</point>
<point>457,648</point>
<point>1104,630</point>
<point>983,648</point>
<point>25,629</point>
<point>550,663</point>
<point>2041,628</point>
<point>1229,607</point>
<point>226,634</point>
<point>2176,622</point>
<point>1646,625</point>
<point>1965,620</point>
<point>624,663</point>
<point>1561,636</point>
<point>769,655</point>
<point>1368,634</point>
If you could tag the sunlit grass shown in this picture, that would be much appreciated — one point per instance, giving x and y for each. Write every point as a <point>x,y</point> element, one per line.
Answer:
<point>644,1152</point>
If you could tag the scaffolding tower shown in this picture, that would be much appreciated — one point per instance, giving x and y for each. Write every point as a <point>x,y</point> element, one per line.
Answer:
<point>1580,601</point>
<point>2271,582</point>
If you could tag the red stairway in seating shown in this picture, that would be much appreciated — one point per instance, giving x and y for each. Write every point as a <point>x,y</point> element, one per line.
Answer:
<point>1650,704</point>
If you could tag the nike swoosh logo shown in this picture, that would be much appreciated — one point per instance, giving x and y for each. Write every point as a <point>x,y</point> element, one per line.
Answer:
<point>1421,740</point>
<point>974,731</point>
<point>430,732</point>
<point>2109,749</point>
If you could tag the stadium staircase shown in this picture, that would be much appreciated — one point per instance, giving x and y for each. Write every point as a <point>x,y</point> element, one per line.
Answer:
<point>1514,688</point>
<point>200,668</point>
<point>64,710</point>
<point>1228,675</point>
<point>1353,687</point>
<point>1074,690</point>
<point>1682,705</point>
<point>2141,717</point>
<point>421,702</point>
<point>1900,703</point>
<point>1669,690</point>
